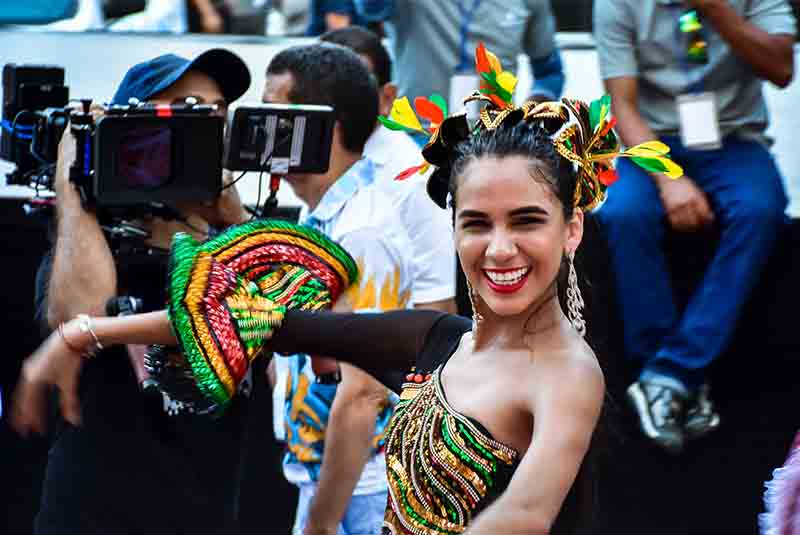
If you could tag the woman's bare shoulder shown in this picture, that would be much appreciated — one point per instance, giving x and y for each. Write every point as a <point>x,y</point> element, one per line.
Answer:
<point>567,367</point>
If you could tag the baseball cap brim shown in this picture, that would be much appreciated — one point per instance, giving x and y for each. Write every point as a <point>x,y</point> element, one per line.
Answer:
<point>151,77</point>
<point>225,68</point>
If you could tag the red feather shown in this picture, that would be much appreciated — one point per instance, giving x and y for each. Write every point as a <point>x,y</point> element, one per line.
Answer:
<point>481,60</point>
<point>499,102</point>
<point>430,111</point>
<point>608,126</point>
<point>608,177</point>
<point>411,171</point>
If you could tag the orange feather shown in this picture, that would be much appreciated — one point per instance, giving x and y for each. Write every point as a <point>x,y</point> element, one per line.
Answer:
<point>482,60</point>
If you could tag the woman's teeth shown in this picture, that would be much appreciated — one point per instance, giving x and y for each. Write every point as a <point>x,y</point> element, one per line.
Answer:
<point>507,277</point>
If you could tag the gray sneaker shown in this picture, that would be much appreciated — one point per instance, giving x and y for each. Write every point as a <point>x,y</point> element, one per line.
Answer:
<point>660,410</point>
<point>701,418</point>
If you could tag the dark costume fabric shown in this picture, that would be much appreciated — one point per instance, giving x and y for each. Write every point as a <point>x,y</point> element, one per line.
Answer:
<point>443,467</point>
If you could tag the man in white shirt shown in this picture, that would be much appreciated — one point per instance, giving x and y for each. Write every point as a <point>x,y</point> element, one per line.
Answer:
<point>393,152</point>
<point>334,415</point>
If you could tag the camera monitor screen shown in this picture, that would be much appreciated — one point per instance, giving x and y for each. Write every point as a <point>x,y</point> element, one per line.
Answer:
<point>280,138</point>
<point>144,161</point>
<point>146,158</point>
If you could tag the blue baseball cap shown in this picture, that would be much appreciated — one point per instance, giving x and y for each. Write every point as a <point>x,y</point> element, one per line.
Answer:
<point>148,78</point>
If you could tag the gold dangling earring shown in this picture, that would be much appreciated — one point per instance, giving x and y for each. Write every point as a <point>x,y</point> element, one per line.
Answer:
<point>574,298</point>
<point>477,317</point>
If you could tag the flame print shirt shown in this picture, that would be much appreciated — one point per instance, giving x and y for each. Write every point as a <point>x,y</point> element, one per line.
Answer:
<point>365,222</point>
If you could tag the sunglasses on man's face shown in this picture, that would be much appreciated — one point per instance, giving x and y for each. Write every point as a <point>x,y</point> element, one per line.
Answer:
<point>696,46</point>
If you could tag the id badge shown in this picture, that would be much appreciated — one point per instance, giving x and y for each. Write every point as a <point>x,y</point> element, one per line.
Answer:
<point>462,86</point>
<point>699,121</point>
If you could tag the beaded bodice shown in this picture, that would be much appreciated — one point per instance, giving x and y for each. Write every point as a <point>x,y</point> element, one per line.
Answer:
<point>442,467</point>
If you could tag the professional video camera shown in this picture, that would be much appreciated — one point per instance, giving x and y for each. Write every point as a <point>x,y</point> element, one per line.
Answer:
<point>145,154</point>
<point>131,155</point>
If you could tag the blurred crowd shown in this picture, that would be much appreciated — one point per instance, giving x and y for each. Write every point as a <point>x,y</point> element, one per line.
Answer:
<point>287,18</point>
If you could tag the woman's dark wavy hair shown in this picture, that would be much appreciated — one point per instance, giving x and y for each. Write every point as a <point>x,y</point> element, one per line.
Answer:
<point>533,140</point>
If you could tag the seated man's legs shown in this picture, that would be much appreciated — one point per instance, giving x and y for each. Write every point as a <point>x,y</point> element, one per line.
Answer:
<point>746,192</point>
<point>634,222</point>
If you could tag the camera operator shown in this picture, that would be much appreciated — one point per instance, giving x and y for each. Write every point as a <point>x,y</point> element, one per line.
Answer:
<point>130,468</point>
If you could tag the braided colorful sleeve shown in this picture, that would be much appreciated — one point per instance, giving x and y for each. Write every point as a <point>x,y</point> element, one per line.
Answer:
<point>228,295</point>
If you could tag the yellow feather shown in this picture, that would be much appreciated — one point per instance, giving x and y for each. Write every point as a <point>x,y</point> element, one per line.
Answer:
<point>673,170</point>
<point>507,81</point>
<point>403,113</point>
<point>648,149</point>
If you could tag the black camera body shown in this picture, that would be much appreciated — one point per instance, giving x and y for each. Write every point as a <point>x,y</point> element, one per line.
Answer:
<point>32,98</point>
<point>148,153</point>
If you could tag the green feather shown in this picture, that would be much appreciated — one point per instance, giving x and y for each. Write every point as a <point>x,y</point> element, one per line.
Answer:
<point>598,110</point>
<point>491,79</point>
<point>650,164</point>
<point>439,100</point>
<point>392,125</point>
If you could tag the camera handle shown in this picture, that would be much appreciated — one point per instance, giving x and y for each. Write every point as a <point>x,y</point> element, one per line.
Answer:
<point>80,173</point>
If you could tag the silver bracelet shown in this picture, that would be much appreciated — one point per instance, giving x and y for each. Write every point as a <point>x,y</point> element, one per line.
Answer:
<point>86,325</point>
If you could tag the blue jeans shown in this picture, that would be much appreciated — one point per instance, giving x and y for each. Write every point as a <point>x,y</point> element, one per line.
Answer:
<point>364,514</point>
<point>746,193</point>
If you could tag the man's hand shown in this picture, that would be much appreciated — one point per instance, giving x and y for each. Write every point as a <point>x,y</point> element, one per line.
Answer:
<point>686,205</point>
<point>54,363</point>
<point>66,156</point>
<point>67,149</point>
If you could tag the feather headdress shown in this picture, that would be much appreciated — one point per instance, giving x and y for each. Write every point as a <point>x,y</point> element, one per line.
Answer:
<point>402,117</point>
<point>583,134</point>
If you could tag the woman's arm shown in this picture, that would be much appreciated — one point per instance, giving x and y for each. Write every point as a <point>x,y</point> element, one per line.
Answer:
<point>383,345</point>
<point>566,403</point>
<point>379,343</point>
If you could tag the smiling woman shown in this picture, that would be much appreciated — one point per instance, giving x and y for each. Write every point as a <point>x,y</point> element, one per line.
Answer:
<point>515,222</point>
<point>496,415</point>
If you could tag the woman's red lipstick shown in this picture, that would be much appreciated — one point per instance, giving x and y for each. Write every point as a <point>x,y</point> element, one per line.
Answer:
<point>506,288</point>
